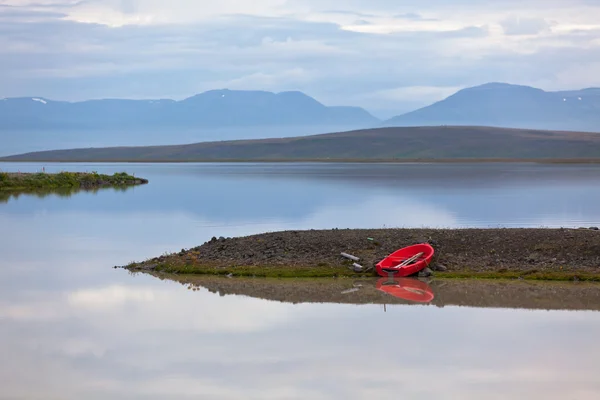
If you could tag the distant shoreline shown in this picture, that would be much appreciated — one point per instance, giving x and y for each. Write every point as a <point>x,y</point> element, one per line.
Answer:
<point>326,161</point>
<point>382,145</point>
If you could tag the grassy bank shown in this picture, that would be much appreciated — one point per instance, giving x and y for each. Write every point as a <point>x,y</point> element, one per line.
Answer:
<point>32,182</point>
<point>326,271</point>
<point>528,275</point>
<point>524,254</point>
<point>314,271</point>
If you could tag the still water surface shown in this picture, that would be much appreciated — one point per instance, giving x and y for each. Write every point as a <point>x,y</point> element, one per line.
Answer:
<point>72,327</point>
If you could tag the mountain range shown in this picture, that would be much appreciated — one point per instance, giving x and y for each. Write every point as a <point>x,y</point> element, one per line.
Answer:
<point>492,104</point>
<point>212,109</point>
<point>511,106</point>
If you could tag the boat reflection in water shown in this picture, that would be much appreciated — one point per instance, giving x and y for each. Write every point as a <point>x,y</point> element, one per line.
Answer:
<point>406,288</point>
<point>474,293</point>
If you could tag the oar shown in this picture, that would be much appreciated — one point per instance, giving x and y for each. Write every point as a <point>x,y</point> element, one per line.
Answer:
<point>409,260</point>
<point>392,270</point>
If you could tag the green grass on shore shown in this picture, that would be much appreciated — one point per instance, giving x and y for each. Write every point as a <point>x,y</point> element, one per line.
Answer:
<point>326,271</point>
<point>64,180</point>
<point>258,271</point>
<point>525,275</point>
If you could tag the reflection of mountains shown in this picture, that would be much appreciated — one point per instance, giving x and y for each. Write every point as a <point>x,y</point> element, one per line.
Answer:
<point>489,294</point>
<point>6,196</point>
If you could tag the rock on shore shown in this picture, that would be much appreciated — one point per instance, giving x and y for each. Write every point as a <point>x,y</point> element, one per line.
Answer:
<point>534,251</point>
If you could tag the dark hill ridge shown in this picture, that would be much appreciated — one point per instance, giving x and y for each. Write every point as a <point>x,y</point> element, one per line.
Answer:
<point>215,108</point>
<point>425,143</point>
<point>505,105</point>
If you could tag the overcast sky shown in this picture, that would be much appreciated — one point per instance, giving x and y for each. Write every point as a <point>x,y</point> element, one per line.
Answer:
<point>388,56</point>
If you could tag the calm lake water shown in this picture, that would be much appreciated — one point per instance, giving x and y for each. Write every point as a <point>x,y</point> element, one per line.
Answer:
<point>72,327</point>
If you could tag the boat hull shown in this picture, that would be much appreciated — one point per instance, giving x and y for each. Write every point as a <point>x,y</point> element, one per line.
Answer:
<point>389,265</point>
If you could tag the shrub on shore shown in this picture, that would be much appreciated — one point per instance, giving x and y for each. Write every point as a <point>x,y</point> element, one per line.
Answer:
<point>64,179</point>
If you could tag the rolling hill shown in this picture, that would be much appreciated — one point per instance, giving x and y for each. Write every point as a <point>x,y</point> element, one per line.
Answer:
<point>512,106</point>
<point>216,108</point>
<point>425,143</point>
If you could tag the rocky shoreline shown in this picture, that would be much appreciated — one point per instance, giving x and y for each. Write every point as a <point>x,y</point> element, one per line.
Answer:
<point>537,254</point>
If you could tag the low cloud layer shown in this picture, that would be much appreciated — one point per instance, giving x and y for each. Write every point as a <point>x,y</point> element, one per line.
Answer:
<point>379,54</point>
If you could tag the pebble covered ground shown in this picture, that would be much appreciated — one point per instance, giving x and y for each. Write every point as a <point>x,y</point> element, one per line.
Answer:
<point>475,250</point>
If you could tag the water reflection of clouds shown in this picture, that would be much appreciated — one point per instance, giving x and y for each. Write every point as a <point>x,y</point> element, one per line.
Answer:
<point>375,212</point>
<point>160,341</point>
<point>178,310</point>
<point>110,297</point>
<point>75,328</point>
<point>380,212</point>
<point>495,195</point>
<point>70,238</point>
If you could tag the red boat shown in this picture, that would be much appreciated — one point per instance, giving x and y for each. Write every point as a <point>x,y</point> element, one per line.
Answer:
<point>407,289</point>
<point>407,261</point>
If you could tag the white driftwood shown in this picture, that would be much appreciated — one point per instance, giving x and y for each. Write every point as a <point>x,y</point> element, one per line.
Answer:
<point>350,256</point>
<point>357,267</point>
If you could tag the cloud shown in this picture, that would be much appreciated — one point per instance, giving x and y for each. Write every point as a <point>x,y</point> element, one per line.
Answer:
<point>524,26</point>
<point>409,15</point>
<point>433,30</point>
<point>290,78</point>
<point>351,13</point>
<point>341,52</point>
<point>423,93</point>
